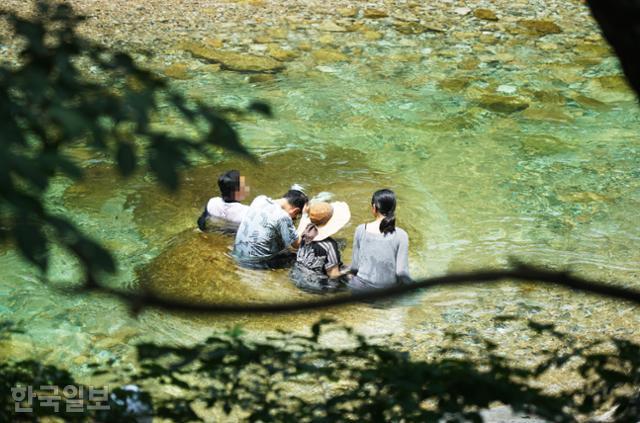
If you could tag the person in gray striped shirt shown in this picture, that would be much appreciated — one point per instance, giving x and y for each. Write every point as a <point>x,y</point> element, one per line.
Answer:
<point>318,265</point>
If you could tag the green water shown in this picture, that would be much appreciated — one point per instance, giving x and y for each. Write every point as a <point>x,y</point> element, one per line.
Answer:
<point>556,184</point>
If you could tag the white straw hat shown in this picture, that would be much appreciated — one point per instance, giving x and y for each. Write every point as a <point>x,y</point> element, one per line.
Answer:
<point>329,218</point>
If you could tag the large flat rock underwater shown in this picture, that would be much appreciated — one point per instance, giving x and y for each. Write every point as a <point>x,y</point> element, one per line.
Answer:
<point>197,267</point>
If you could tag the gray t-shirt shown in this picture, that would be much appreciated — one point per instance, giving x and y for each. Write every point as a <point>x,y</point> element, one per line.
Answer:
<point>379,260</point>
<point>265,231</point>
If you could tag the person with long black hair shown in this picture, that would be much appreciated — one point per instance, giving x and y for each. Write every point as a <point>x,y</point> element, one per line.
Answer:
<point>380,249</point>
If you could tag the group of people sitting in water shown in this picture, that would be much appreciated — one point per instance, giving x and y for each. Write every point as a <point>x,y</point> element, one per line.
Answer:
<point>265,237</point>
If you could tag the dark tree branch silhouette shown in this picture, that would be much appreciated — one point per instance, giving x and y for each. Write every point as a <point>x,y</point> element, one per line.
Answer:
<point>520,273</point>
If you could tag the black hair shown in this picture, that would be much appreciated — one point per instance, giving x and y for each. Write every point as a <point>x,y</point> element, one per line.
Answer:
<point>229,183</point>
<point>296,198</point>
<point>384,200</point>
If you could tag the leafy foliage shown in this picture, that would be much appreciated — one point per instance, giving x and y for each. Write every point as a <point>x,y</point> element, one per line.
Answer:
<point>293,377</point>
<point>302,378</point>
<point>67,90</point>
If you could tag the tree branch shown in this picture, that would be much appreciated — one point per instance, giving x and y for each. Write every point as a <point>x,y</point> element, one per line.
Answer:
<point>520,273</point>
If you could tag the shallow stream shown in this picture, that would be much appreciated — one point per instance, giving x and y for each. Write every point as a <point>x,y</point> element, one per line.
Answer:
<point>441,120</point>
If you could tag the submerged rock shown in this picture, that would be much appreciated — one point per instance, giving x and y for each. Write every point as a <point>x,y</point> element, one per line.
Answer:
<point>305,46</point>
<point>193,266</point>
<point>613,82</point>
<point>326,55</point>
<point>549,97</point>
<point>261,77</point>
<point>214,42</point>
<point>610,88</point>
<point>241,62</point>
<point>548,114</point>
<point>486,14</point>
<point>178,71</point>
<point>326,39</point>
<point>330,26</point>
<point>281,54</point>
<point>278,33</point>
<point>540,27</point>
<point>415,28</point>
<point>544,145</point>
<point>372,35</point>
<point>585,197</point>
<point>502,104</point>
<point>375,13</point>
<point>590,103</point>
<point>454,84</point>
<point>347,12</point>
<point>213,67</point>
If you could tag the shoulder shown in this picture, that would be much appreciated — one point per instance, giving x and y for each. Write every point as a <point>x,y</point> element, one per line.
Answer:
<point>237,206</point>
<point>260,201</point>
<point>214,204</point>
<point>401,234</point>
<point>328,243</point>
<point>360,229</point>
<point>283,218</point>
<point>215,200</point>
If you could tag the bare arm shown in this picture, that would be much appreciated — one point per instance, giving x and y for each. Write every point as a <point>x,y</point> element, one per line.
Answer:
<point>288,233</point>
<point>334,272</point>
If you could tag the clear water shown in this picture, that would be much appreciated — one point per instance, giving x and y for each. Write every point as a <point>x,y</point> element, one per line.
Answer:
<point>557,184</point>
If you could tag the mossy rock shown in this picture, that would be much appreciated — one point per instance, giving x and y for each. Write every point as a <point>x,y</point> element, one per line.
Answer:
<point>544,145</point>
<point>326,55</point>
<point>374,13</point>
<point>547,114</point>
<point>549,97</point>
<point>372,35</point>
<point>485,14</point>
<point>613,82</point>
<point>281,54</point>
<point>240,62</point>
<point>415,28</point>
<point>178,71</point>
<point>347,12</point>
<point>331,26</point>
<point>261,78</point>
<point>540,27</point>
<point>502,104</point>
<point>454,84</point>
<point>591,103</point>
<point>196,268</point>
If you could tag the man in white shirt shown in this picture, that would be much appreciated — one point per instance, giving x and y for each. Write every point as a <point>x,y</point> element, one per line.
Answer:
<point>226,210</point>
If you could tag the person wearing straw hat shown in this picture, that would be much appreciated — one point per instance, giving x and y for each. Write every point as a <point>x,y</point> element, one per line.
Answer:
<point>318,265</point>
